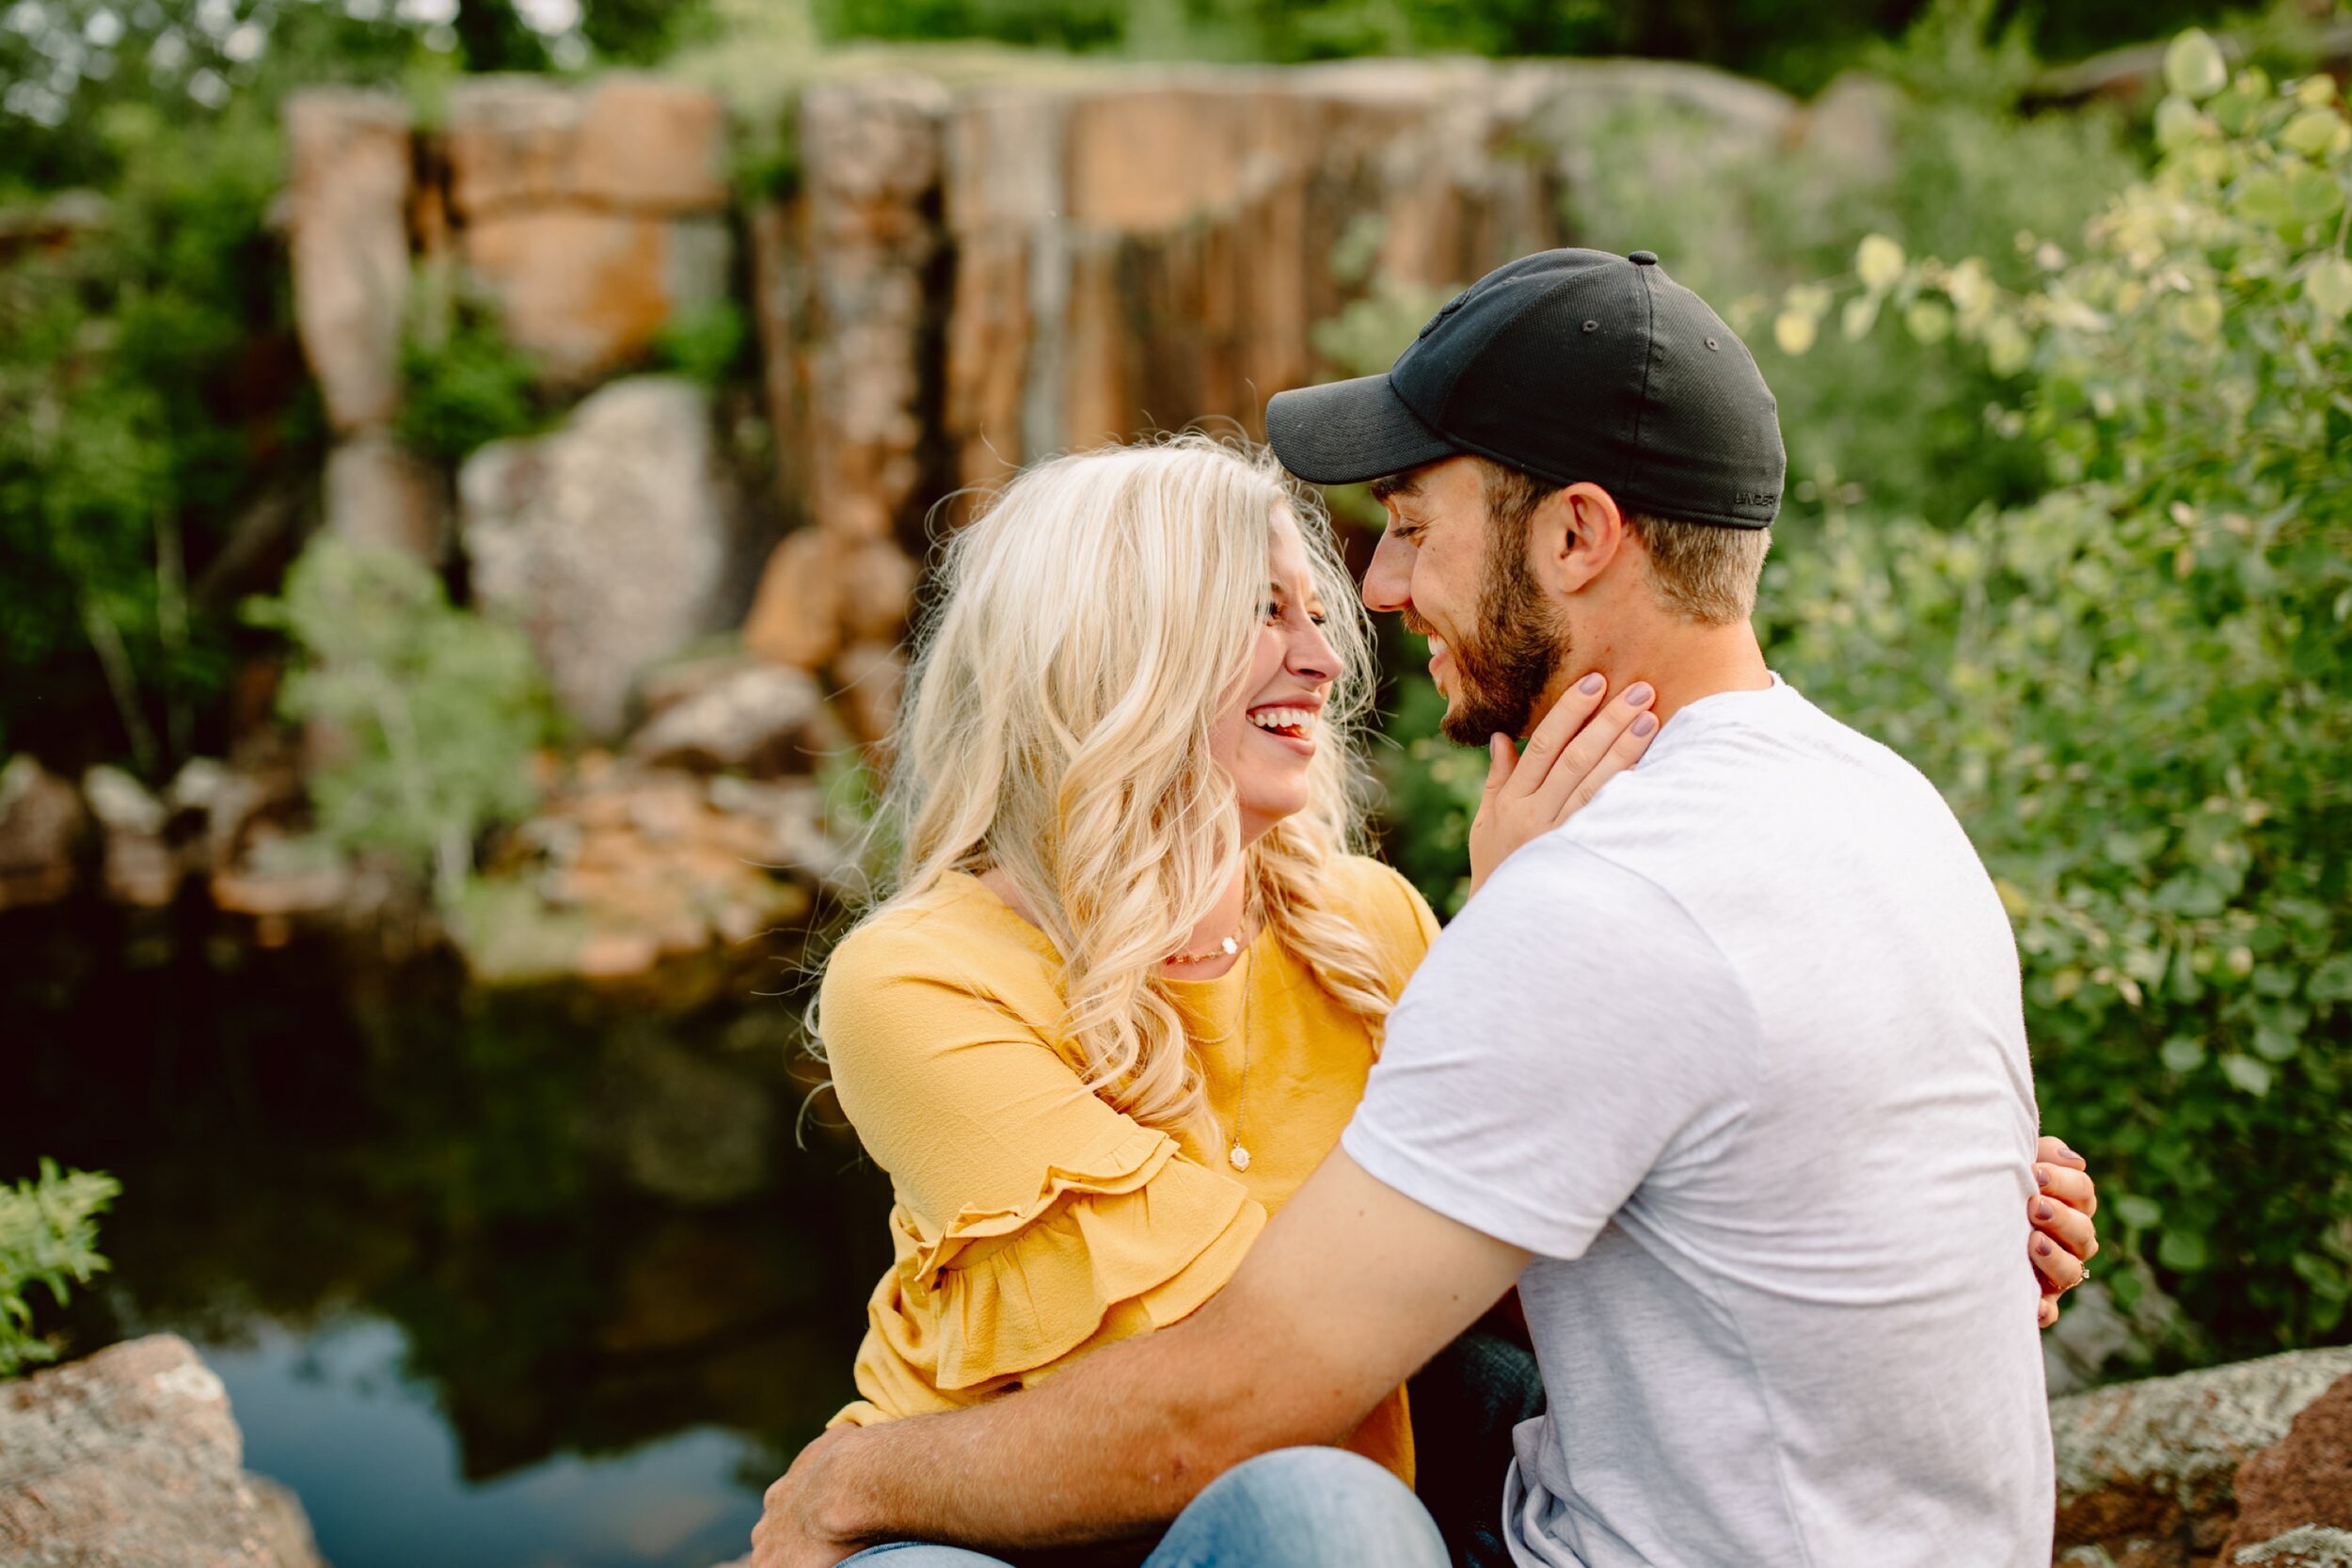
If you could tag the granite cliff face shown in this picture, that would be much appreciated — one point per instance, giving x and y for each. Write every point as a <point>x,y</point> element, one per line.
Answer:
<point>954,280</point>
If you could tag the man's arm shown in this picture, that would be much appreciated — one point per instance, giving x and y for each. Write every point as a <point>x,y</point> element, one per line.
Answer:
<point>1349,1290</point>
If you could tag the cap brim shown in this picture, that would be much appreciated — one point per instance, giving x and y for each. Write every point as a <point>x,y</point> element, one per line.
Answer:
<point>1350,430</point>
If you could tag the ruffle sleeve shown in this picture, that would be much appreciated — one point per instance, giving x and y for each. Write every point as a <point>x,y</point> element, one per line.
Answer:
<point>995,1294</point>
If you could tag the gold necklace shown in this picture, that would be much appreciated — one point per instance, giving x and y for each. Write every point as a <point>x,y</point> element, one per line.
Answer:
<point>1225,949</point>
<point>1238,1156</point>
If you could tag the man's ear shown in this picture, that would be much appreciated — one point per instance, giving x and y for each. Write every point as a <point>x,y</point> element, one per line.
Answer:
<point>1576,532</point>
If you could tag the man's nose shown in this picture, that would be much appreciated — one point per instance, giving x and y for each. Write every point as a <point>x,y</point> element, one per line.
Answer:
<point>1389,581</point>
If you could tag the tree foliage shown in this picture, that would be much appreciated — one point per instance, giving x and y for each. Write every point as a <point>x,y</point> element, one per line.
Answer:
<point>2136,689</point>
<point>150,392</point>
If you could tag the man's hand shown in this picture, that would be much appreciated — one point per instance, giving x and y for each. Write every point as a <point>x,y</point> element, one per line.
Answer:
<point>790,1534</point>
<point>1587,739</point>
<point>2063,1240</point>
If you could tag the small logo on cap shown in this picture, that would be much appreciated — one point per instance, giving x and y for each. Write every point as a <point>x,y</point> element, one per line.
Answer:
<point>1448,309</point>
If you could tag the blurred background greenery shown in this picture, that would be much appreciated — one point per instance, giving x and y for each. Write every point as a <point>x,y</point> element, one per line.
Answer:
<point>2062,377</point>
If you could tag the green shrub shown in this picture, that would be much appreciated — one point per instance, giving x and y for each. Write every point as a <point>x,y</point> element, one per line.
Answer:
<point>2135,691</point>
<point>48,1237</point>
<point>467,390</point>
<point>707,345</point>
<point>436,711</point>
<point>152,397</point>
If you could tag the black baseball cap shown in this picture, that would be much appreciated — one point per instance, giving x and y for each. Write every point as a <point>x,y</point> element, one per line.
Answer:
<point>1568,365</point>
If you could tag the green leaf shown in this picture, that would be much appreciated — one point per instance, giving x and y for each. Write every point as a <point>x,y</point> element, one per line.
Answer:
<point>2193,66</point>
<point>2275,1045</point>
<point>2312,132</point>
<point>2247,1075</point>
<point>2329,287</point>
<point>2182,1251</point>
<point>2178,123</point>
<point>2332,980</point>
<point>2183,1053</point>
<point>1928,320</point>
<point>2139,1212</point>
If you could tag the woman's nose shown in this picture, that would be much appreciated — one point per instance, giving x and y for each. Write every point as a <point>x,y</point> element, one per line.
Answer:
<point>1312,655</point>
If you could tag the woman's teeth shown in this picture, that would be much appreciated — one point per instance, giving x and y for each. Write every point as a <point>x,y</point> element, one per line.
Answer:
<point>1292,722</point>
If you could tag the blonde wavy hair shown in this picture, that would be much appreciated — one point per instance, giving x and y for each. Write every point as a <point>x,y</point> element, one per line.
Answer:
<point>1087,631</point>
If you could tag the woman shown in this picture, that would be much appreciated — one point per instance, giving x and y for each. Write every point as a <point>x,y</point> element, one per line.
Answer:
<point>1132,976</point>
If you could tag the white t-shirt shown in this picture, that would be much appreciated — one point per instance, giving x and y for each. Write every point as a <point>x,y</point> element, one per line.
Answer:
<point>1738,1054</point>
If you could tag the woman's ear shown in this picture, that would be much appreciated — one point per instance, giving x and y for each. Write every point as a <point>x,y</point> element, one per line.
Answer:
<point>1576,532</point>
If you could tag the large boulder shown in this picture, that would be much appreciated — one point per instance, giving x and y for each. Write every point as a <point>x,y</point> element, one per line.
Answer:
<point>2294,1498</point>
<point>607,541</point>
<point>2146,1470</point>
<point>347,210</point>
<point>130,1459</point>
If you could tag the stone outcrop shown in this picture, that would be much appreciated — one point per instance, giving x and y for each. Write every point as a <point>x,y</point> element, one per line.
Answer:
<point>627,866</point>
<point>960,279</point>
<point>376,494</point>
<point>607,541</point>
<point>139,868</point>
<point>589,217</point>
<point>130,1459</point>
<point>2294,1498</point>
<point>760,720</point>
<point>350,159</point>
<point>42,825</point>
<point>2146,1471</point>
<point>347,210</point>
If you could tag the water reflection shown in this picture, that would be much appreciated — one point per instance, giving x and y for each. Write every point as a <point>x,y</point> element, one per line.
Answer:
<point>491,1281</point>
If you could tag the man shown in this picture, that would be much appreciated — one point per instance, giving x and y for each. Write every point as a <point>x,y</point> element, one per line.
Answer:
<point>1666,1071</point>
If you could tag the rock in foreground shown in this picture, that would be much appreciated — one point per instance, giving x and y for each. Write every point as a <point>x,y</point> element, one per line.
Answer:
<point>130,1459</point>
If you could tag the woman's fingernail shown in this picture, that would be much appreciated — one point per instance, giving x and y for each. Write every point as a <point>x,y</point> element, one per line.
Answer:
<point>1638,695</point>
<point>1592,684</point>
<point>1645,724</point>
<point>2042,1246</point>
<point>2041,1209</point>
<point>2041,1176</point>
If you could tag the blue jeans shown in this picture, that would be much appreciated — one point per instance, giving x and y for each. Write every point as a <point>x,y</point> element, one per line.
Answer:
<point>1294,1508</point>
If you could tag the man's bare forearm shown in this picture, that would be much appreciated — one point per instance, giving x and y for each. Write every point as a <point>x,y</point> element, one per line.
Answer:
<point>1113,1448</point>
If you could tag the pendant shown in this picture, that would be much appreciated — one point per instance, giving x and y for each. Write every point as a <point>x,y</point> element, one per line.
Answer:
<point>1237,1157</point>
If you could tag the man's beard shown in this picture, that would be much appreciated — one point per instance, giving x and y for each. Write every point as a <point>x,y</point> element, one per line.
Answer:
<point>1503,669</point>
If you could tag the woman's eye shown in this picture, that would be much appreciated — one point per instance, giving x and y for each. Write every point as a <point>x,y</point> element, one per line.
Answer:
<point>1318,617</point>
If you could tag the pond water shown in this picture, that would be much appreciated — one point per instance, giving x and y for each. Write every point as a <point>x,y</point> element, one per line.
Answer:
<point>558,1281</point>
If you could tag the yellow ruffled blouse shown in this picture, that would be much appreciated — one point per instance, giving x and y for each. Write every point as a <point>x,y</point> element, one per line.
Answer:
<point>1033,1223</point>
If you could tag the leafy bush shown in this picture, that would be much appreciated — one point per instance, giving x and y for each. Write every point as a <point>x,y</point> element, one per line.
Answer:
<point>49,1237</point>
<point>150,392</point>
<point>2137,689</point>
<point>435,712</point>
<point>466,389</point>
